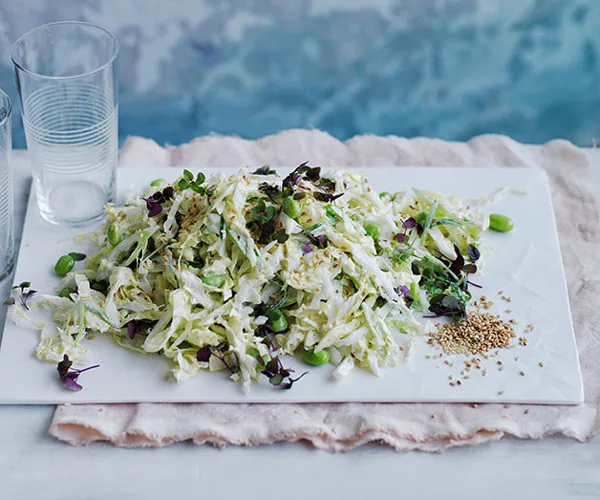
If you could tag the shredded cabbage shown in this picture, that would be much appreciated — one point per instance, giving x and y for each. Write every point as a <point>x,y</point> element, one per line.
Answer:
<point>210,270</point>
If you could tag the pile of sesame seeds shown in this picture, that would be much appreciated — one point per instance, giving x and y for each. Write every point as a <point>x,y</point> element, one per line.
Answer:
<point>477,334</point>
<point>479,337</point>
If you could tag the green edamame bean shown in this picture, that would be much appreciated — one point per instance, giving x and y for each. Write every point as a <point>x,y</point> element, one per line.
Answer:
<point>277,321</point>
<point>113,233</point>
<point>372,230</point>
<point>216,280</point>
<point>157,182</point>
<point>291,207</point>
<point>316,358</point>
<point>63,265</point>
<point>501,223</point>
<point>66,292</point>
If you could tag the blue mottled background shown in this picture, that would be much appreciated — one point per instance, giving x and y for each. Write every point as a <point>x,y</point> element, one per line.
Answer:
<point>442,68</point>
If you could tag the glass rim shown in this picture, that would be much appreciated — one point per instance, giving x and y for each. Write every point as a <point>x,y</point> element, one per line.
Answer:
<point>110,60</point>
<point>4,95</point>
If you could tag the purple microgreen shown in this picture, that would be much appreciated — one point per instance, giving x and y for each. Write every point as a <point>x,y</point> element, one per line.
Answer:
<point>447,305</point>
<point>24,295</point>
<point>405,291</point>
<point>154,202</point>
<point>267,230</point>
<point>474,284</point>
<point>409,223</point>
<point>70,376</point>
<point>281,236</point>
<point>204,353</point>
<point>64,366</point>
<point>291,381</point>
<point>131,328</point>
<point>326,184</point>
<point>458,263</point>
<point>313,174</point>
<point>326,197</point>
<point>272,192</point>
<point>264,170</point>
<point>77,256</point>
<point>400,237</point>
<point>473,252</point>
<point>294,178</point>
<point>154,208</point>
<point>221,351</point>
<point>300,195</point>
<point>470,269</point>
<point>70,382</point>
<point>319,241</point>
<point>306,248</point>
<point>278,375</point>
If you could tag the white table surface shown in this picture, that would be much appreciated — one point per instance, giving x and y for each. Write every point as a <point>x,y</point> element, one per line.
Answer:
<point>34,466</point>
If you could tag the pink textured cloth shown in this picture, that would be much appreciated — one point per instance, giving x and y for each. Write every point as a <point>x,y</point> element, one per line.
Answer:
<point>341,427</point>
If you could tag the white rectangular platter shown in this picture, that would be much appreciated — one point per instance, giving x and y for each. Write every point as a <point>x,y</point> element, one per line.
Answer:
<point>525,264</point>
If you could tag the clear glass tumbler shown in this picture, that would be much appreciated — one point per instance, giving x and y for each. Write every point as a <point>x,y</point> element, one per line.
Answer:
<point>7,247</point>
<point>67,75</point>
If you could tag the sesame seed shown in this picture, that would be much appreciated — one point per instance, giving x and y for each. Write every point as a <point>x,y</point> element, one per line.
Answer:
<point>427,356</point>
<point>541,363</point>
<point>458,382</point>
<point>507,311</point>
<point>500,393</point>
<point>522,373</point>
<point>479,333</point>
<point>506,406</point>
<point>474,405</point>
<point>526,412</point>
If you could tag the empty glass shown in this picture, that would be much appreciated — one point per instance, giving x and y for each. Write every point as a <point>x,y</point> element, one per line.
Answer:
<point>68,85</point>
<point>7,249</point>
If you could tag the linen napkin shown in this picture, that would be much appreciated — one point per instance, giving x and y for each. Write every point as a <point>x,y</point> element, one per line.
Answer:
<point>341,427</point>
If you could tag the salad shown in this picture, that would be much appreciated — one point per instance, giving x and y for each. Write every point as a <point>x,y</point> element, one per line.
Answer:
<point>236,271</point>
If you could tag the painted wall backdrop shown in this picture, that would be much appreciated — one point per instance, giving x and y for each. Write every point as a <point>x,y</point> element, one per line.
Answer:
<point>444,68</point>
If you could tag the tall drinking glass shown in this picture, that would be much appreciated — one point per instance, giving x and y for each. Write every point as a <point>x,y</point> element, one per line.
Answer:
<point>67,75</point>
<point>7,248</point>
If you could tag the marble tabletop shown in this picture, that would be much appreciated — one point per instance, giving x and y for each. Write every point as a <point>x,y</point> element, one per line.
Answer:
<point>35,466</point>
